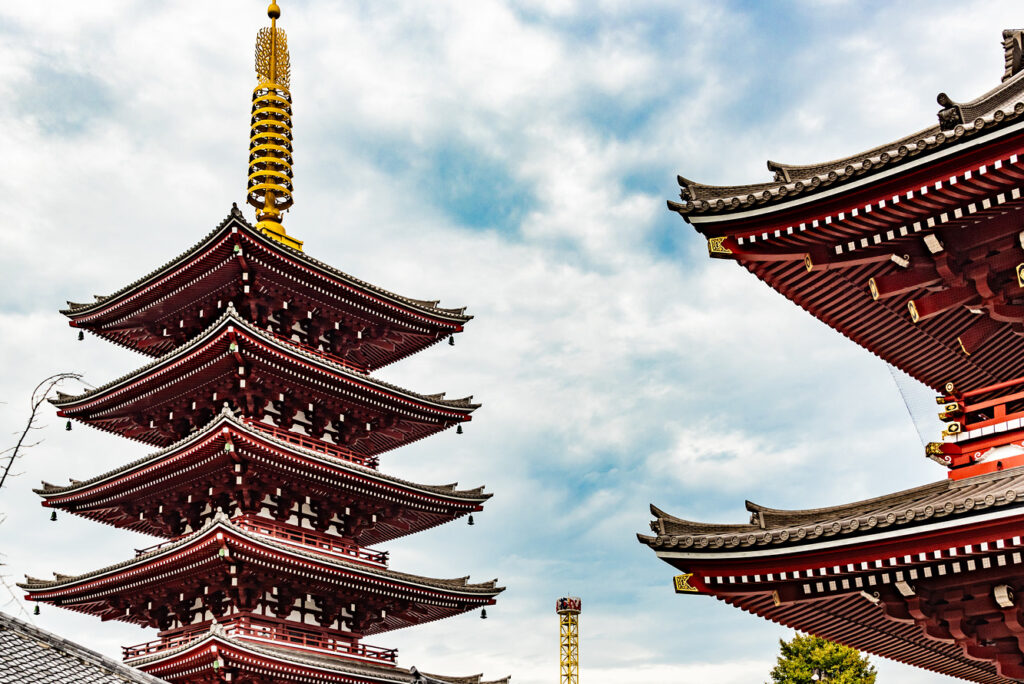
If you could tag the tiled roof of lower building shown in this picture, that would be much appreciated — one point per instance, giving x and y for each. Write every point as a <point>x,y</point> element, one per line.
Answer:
<point>30,654</point>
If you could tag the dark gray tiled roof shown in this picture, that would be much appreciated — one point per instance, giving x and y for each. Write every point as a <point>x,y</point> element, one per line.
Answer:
<point>946,499</point>
<point>235,218</point>
<point>29,655</point>
<point>958,121</point>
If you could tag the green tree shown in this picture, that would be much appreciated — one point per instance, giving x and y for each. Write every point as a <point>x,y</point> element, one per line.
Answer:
<point>803,657</point>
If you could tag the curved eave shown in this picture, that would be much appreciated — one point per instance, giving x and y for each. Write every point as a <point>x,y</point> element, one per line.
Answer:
<point>994,111</point>
<point>454,408</point>
<point>64,585</point>
<point>257,655</point>
<point>235,220</point>
<point>85,497</point>
<point>206,649</point>
<point>944,508</point>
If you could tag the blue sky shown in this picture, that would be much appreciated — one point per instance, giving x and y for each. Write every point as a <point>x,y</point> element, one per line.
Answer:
<point>513,157</point>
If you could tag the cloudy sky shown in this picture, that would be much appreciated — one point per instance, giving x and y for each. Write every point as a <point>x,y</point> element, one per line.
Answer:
<point>513,157</point>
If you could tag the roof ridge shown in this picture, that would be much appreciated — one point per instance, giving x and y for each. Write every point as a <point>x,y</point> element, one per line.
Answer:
<point>226,416</point>
<point>424,305</point>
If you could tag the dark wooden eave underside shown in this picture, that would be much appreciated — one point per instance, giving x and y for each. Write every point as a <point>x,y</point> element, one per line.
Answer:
<point>955,231</point>
<point>856,622</point>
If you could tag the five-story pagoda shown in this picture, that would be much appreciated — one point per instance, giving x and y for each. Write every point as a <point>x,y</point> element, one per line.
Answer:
<point>269,427</point>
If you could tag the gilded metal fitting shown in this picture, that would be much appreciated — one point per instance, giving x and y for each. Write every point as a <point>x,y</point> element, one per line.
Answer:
<point>717,248</point>
<point>873,287</point>
<point>270,142</point>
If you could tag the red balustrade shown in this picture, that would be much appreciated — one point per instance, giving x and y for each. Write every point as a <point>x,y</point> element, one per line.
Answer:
<point>269,630</point>
<point>317,352</point>
<point>322,543</point>
<point>314,444</point>
<point>988,407</point>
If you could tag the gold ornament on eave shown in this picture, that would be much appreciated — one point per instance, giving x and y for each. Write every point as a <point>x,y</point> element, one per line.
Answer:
<point>270,141</point>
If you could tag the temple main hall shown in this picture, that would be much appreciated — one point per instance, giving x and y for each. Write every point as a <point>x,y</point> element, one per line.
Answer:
<point>914,250</point>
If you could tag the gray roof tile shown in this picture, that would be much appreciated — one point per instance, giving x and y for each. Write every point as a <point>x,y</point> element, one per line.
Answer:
<point>30,654</point>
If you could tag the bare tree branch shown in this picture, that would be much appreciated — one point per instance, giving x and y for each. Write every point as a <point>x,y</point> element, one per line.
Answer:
<point>39,395</point>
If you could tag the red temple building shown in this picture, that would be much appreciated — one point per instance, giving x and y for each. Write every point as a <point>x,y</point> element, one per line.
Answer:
<point>268,431</point>
<point>915,251</point>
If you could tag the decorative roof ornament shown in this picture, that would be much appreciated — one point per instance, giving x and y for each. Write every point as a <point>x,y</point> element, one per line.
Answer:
<point>270,142</point>
<point>1013,48</point>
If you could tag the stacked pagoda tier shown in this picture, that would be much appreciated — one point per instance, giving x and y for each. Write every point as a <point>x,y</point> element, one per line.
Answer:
<point>265,487</point>
<point>914,250</point>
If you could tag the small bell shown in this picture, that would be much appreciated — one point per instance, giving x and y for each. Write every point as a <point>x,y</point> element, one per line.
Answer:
<point>53,516</point>
<point>36,611</point>
<point>451,341</point>
<point>469,522</point>
<point>483,613</point>
<point>458,430</point>
<point>81,335</point>
<point>68,425</point>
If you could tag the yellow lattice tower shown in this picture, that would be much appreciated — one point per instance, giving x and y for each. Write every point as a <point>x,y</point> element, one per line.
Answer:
<point>568,609</point>
<point>270,140</point>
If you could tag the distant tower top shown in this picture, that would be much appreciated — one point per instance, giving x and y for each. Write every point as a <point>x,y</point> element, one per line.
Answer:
<point>569,605</point>
<point>568,609</point>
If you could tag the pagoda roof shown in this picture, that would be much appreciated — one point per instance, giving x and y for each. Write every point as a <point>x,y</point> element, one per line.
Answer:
<point>221,531</point>
<point>947,503</point>
<point>31,654</point>
<point>997,110</point>
<point>324,665</point>
<point>908,249</point>
<point>165,375</point>
<point>205,264</point>
<point>92,497</point>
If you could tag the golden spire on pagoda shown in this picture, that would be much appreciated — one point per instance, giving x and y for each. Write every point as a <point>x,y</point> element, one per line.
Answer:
<point>270,141</point>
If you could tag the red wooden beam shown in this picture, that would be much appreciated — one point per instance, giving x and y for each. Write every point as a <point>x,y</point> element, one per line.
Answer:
<point>932,305</point>
<point>883,287</point>
<point>978,334</point>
